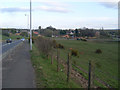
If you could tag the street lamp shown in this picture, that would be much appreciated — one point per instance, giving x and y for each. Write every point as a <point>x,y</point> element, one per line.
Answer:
<point>27,20</point>
<point>30,26</point>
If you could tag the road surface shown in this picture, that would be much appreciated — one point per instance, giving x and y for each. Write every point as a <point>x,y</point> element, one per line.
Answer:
<point>7,46</point>
<point>17,69</point>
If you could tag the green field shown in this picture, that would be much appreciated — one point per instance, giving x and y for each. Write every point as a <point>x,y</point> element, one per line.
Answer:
<point>108,59</point>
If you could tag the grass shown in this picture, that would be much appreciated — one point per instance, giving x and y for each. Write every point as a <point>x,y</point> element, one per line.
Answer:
<point>46,73</point>
<point>108,59</point>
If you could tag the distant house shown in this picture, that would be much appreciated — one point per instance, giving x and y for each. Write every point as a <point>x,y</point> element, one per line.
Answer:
<point>65,36</point>
<point>24,30</point>
<point>35,33</point>
<point>97,34</point>
<point>71,33</point>
<point>40,35</point>
<point>17,33</point>
<point>53,36</point>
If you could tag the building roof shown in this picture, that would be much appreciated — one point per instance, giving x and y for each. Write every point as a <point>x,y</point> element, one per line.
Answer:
<point>35,32</point>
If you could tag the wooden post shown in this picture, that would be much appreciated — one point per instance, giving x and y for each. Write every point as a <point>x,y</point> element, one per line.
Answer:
<point>68,68</point>
<point>51,58</point>
<point>89,76</point>
<point>92,74</point>
<point>57,60</point>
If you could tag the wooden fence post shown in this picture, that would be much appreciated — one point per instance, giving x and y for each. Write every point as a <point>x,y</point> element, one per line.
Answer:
<point>68,67</point>
<point>89,76</point>
<point>57,60</point>
<point>92,74</point>
<point>51,58</point>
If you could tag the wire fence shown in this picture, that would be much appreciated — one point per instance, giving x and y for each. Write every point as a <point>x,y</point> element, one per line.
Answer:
<point>103,79</point>
<point>98,78</point>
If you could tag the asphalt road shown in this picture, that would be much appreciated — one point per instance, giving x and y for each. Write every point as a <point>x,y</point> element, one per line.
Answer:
<point>8,46</point>
<point>17,70</point>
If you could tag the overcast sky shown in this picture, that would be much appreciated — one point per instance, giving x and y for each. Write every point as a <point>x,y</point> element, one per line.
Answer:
<point>62,14</point>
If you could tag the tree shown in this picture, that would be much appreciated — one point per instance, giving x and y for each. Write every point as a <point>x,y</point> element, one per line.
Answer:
<point>103,33</point>
<point>24,34</point>
<point>62,32</point>
<point>39,30</point>
<point>76,32</point>
<point>47,33</point>
<point>51,28</point>
<point>39,27</point>
<point>13,31</point>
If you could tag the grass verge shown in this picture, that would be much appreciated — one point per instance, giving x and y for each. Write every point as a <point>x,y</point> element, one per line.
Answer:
<point>46,73</point>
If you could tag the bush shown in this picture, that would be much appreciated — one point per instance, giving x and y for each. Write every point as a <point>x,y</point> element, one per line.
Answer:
<point>24,34</point>
<point>55,45</point>
<point>44,45</point>
<point>83,39</point>
<point>17,38</point>
<point>74,62</point>
<point>61,46</point>
<point>98,51</point>
<point>74,52</point>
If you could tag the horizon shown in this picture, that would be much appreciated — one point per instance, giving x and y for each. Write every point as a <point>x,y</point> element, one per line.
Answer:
<point>61,29</point>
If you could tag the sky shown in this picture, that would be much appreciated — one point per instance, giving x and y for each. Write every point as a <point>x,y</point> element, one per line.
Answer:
<point>61,14</point>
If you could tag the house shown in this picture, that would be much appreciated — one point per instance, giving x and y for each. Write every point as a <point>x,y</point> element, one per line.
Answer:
<point>71,33</point>
<point>65,36</point>
<point>97,34</point>
<point>17,34</point>
<point>35,33</point>
<point>24,30</point>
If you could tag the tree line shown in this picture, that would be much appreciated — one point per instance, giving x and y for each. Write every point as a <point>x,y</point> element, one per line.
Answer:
<point>85,32</point>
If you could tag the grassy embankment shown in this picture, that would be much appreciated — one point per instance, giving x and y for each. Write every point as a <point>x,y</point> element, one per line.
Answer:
<point>108,59</point>
<point>46,73</point>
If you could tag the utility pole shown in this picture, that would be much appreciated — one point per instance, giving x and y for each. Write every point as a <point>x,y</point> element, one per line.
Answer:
<point>30,26</point>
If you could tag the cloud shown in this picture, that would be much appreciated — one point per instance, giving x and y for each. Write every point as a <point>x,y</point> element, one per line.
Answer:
<point>53,9</point>
<point>44,8</point>
<point>46,5</point>
<point>60,4</point>
<point>59,7</point>
<point>13,9</point>
<point>110,4</point>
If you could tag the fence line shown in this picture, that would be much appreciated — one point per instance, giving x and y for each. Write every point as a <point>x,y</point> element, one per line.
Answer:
<point>99,80</point>
<point>96,77</point>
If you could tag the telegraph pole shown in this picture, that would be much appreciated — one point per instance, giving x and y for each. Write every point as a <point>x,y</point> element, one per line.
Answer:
<point>30,26</point>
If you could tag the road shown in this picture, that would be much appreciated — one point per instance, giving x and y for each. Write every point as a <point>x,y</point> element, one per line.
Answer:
<point>7,46</point>
<point>17,70</point>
